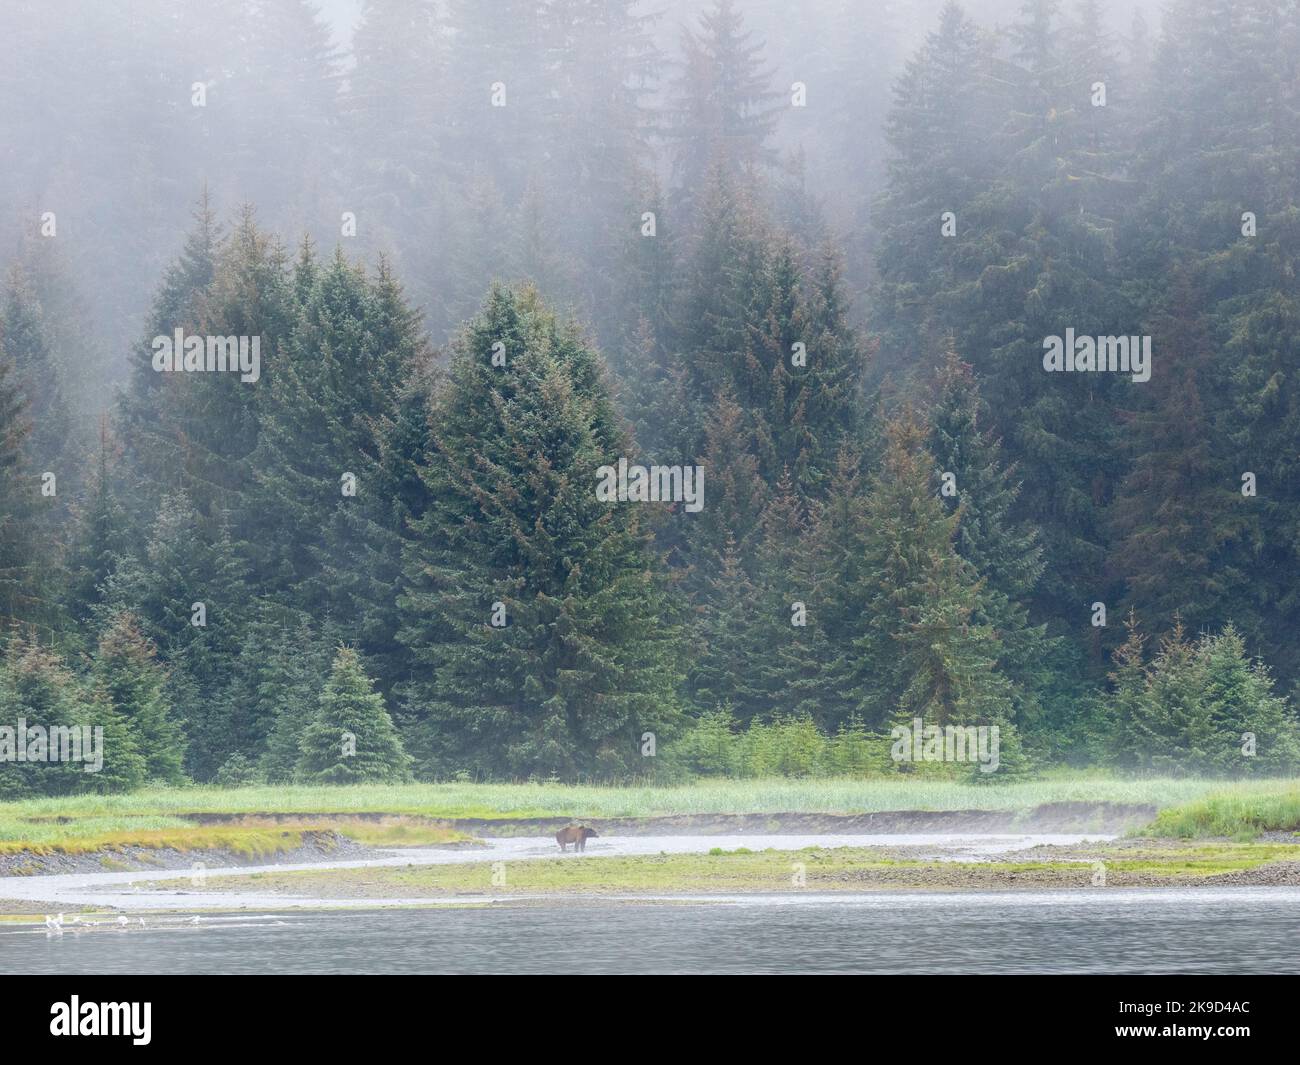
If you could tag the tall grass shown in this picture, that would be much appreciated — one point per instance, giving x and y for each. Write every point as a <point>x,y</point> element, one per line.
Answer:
<point>540,799</point>
<point>1237,813</point>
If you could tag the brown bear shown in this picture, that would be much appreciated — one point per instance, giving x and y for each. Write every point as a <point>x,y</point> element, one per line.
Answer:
<point>575,834</point>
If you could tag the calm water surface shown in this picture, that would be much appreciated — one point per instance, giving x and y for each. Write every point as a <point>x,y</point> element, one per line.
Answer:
<point>1197,930</point>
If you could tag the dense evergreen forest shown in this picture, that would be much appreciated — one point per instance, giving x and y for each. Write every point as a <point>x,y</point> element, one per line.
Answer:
<point>487,249</point>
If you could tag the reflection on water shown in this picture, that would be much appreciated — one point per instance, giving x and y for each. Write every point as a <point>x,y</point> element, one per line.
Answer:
<point>1199,930</point>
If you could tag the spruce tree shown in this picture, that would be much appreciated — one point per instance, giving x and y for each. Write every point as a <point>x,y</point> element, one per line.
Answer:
<point>146,414</point>
<point>789,626</point>
<point>601,58</point>
<point>1256,731</point>
<point>1127,732</point>
<point>637,322</point>
<point>1174,726</point>
<point>499,48</point>
<point>101,533</point>
<point>931,656</point>
<point>736,495</point>
<point>1000,229</point>
<point>1217,160</point>
<point>1000,548</point>
<point>535,625</point>
<point>124,768</point>
<point>25,341</point>
<point>333,375</point>
<point>720,294</point>
<point>762,326</point>
<point>283,689</point>
<point>17,549</point>
<point>1201,706</point>
<point>396,113</point>
<point>37,687</point>
<point>1179,509</point>
<point>729,645</point>
<point>127,672</point>
<point>360,558</point>
<point>179,570</point>
<point>352,739</point>
<point>218,415</point>
<point>1060,206</point>
<point>724,108</point>
<point>944,157</point>
<point>837,590</point>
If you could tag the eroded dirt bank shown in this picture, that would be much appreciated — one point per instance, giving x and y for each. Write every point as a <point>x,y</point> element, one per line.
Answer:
<point>322,843</point>
<point>316,846</point>
<point>1099,817</point>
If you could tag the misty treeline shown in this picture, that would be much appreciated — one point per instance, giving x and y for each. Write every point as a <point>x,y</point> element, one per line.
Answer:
<point>393,534</point>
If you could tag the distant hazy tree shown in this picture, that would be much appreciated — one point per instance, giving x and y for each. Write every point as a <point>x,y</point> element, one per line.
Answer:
<point>724,108</point>
<point>25,342</point>
<point>16,495</point>
<point>100,529</point>
<point>399,123</point>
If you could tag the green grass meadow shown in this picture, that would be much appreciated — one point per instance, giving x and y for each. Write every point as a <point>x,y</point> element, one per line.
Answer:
<point>1188,807</point>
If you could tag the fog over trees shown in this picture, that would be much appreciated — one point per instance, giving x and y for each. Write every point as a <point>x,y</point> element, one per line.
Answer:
<point>975,329</point>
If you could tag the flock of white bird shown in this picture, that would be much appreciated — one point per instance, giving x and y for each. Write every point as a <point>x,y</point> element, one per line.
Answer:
<point>54,925</point>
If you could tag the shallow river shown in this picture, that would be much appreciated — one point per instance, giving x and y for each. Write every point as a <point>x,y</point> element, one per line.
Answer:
<point>179,930</point>
<point>1164,930</point>
<point>127,891</point>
